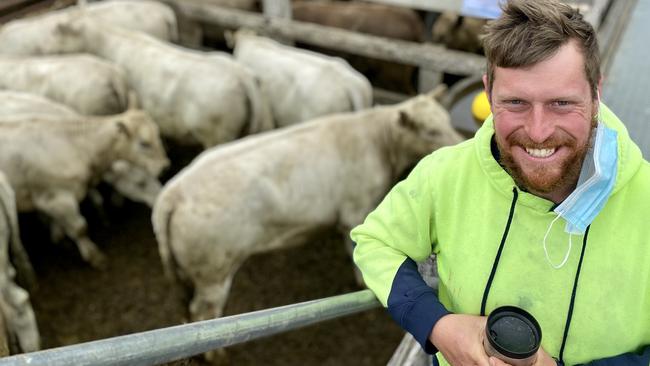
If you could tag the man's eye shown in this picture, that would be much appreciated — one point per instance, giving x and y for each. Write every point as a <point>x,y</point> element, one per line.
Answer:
<point>514,102</point>
<point>562,103</point>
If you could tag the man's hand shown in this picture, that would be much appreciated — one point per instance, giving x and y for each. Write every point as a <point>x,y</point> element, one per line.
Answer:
<point>541,359</point>
<point>459,338</point>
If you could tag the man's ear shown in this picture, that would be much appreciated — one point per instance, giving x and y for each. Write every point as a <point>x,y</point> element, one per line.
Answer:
<point>486,87</point>
<point>600,87</point>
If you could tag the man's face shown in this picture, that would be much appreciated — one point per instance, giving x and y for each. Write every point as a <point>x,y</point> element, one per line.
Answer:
<point>543,118</point>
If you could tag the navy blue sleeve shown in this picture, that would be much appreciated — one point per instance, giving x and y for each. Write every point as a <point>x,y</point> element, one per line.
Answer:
<point>414,305</point>
<point>626,359</point>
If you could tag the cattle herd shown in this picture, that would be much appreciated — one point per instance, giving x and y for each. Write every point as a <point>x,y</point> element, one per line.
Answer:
<point>292,143</point>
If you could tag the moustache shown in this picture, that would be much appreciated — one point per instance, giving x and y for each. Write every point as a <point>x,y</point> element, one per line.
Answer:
<point>554,141</point>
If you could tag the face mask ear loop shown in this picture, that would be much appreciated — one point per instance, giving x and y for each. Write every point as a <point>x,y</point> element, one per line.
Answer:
<point>566,256</point>
<point>598,115</point>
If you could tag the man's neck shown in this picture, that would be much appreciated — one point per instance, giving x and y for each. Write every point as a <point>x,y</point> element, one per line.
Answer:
<point>556,196</point>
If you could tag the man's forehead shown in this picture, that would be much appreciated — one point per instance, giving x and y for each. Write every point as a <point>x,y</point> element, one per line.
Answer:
<point>556,77</point>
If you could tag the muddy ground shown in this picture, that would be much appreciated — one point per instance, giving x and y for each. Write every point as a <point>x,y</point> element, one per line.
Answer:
<point>75,303</point>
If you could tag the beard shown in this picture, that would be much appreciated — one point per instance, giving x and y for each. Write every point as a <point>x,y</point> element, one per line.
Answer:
<point>545,178</point>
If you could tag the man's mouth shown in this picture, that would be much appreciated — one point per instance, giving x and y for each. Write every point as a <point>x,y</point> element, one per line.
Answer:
<point>540,153</point>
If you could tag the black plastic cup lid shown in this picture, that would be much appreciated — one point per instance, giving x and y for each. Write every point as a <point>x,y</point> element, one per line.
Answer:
<point>513,332</point>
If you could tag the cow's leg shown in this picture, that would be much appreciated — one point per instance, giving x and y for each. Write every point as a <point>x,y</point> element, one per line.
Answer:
<point>349,246</point>
<point>97,201</point>
<point>19,317</point>
<point>63,208</point>
<point>209,302</point>
<point>350,217</point>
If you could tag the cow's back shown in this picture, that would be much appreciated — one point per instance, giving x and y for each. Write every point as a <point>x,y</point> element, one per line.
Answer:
<point>151,17</point>
<point>376,19</point>
<point>301,84</point>
<point>44,34</point>
<point>17,103</point>
<point>101,91</point>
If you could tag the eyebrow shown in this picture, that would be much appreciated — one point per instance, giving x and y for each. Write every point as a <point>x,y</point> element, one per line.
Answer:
<point>571,98</point>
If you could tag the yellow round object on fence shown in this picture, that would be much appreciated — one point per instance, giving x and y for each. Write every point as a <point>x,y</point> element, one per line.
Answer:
<point>480,107</point>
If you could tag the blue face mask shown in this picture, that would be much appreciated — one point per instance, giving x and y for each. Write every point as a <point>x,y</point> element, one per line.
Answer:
<point>595,184</point>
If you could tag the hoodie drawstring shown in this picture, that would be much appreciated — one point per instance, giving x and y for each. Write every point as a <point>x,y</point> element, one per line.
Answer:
<point>573,296</point>
<point>515,194</point>
<point>567,325</point>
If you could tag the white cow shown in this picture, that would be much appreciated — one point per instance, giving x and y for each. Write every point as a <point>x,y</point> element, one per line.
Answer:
<point>274,190</point>
<point>194,96</point>
<point>43,34</point>
<point>86,83</point>
<point>16,103</point>
<point>300,84</point>
<point>15,307</point>
<point>129,180</point>
<point>51,163</point>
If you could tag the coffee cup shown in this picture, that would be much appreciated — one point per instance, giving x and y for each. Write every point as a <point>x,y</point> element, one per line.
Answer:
<point>512,335</point>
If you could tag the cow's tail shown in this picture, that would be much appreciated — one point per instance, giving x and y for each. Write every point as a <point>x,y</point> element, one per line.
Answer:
<point>172,25</point>
<point>161,217</point>
<point>16,250</point>
<point>360,93</point>
<point>260,118</point>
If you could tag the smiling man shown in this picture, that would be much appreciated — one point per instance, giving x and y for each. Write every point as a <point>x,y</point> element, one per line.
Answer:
<point>544,116</point>
<point>545,209</point>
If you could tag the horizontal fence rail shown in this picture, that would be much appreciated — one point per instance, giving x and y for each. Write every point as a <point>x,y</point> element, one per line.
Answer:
<point>182,341</point>
<point>429,56</point>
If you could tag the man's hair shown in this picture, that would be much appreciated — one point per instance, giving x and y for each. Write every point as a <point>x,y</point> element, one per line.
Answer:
<point>528,32</point>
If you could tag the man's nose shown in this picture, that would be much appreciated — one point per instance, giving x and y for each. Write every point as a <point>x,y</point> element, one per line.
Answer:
<point>538,127</point>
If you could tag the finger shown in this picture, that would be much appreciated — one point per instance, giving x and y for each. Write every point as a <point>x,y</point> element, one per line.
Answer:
<point>497,362</point>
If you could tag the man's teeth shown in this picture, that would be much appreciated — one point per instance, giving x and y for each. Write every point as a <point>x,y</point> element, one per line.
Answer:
<point>540,153</point>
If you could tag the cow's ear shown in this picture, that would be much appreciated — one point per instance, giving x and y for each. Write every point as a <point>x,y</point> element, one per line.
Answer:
<point>230,37</point>
<point>123,128</point>
<point>68,28</point>
<point>406,121</point>
<point>133,101</point>
<point>439,92</point>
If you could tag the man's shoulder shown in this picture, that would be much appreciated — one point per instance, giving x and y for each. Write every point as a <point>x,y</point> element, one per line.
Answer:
<point>636,187</point>
<point>451,155</point>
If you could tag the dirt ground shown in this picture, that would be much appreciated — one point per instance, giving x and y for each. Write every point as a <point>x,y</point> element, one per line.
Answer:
<point>75,303</point>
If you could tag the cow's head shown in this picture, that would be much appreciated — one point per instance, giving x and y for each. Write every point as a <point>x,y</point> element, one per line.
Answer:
<point>139,140</point>
<point>69,34</point>
<point>133,182</point>
<point>421,126</point>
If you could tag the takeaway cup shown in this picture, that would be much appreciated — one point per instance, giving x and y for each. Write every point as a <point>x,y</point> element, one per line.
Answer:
<point>512,335</point>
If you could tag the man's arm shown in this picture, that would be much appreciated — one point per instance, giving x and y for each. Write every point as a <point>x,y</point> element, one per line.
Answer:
<point>625,359</point>
<point>414,305</point>
<point>400,231</point>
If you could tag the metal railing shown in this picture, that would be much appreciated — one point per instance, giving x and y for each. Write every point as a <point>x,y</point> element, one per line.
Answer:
<point>173,343</point>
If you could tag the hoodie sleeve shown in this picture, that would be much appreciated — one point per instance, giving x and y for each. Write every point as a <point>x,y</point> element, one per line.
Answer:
<point>641,358</point>
<point>396,235</point>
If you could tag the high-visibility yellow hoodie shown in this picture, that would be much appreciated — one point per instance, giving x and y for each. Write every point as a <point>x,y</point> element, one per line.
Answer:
<point>487,234</point>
